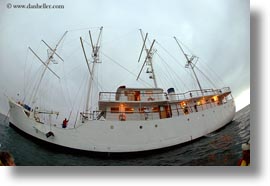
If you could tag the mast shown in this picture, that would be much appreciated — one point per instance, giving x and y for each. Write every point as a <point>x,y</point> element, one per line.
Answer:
<point>149,58</point>
<point>95,57</point>
<point>190,64</point>
<point>50,57</point>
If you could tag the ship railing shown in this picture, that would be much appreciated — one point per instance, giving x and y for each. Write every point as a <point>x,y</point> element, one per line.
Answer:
<point>126,97</point>
<point>176,110</point>
<point>197,93</point>
<point>93,115</point>
<point>188,109</point>
<point>146,97</point>
<point>156,115</point>
<point>134,116</point>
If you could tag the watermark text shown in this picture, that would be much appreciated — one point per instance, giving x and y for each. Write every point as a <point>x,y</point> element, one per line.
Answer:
<point>34,6</point>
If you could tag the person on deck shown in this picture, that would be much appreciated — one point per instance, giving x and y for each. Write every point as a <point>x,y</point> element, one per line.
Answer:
<point>245,160</point>
<point>6,159</point>
<point>65,122</point>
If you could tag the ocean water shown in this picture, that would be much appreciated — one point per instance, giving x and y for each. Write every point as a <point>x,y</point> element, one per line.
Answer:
<point>220,148</point>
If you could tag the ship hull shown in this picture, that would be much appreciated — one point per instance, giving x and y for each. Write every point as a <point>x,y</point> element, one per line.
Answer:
<point>126,136</point>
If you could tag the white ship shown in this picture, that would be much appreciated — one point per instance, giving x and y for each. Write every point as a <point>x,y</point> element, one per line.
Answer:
<point>130,119</point>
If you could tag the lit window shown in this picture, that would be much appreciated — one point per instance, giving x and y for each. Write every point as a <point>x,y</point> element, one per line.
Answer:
<point>215,98</point>
<point>114,109</point>
<point>155,109</point>
<point>129,110</point>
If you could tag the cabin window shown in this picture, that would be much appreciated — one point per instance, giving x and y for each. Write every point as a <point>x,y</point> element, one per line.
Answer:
<point>161,108</point>
<point>129,110</point>
<point>131,96</point>
<point>122,108</point>
<point>114,109</point>
<point>215,98</point>
<point>183,104</point>
<point>137,96</point>
<point>141,109</point>
<point>155,109</point>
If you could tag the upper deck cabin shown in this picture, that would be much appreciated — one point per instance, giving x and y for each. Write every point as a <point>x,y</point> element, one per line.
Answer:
<point>133,103</point>
<point>144,95</point>
<point>124,94</point>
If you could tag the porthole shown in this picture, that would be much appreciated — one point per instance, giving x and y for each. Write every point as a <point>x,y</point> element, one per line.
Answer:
<point>140,127</point>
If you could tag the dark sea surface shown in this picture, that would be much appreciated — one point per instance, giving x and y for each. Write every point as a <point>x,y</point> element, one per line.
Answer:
<point>220,148</point>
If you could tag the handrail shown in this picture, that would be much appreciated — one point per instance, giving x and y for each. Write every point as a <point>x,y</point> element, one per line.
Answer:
<point>199,93</point>
<point>148,97</point>
<point>151,115</point>
<point>117,96</point>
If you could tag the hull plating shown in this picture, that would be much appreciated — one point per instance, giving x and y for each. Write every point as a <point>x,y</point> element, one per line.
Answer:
<point>127,136</point>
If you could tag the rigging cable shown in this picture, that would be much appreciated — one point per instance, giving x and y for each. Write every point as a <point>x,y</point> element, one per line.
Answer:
<point>167,77</point>
<point>76,97</point>
<point>169,68</point>
<point>177,62</point>
<point>35,83</point>
<point>114,61</point>
<point>211,82</point>
<point>211,71</point>
<point>24,85</point>
<point>30,86</point>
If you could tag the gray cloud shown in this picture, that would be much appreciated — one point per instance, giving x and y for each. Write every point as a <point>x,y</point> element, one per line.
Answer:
<point>216,31</point>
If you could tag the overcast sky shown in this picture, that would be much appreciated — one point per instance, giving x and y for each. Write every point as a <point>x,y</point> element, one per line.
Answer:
<point>217,31</point>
